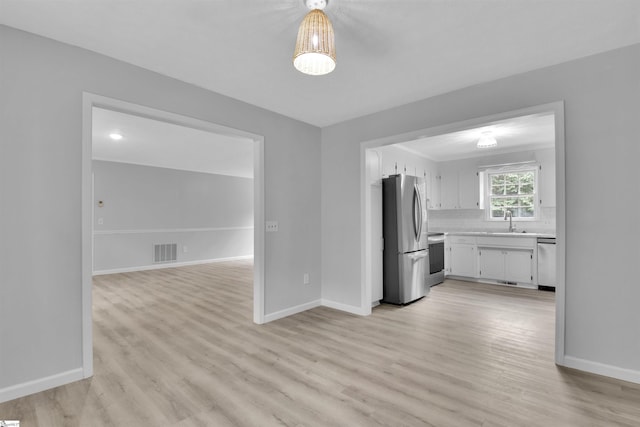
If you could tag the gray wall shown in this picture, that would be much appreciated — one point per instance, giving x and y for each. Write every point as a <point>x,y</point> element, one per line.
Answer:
<point>211,215</point>
<point>602,109</point>
<point>41,82</point>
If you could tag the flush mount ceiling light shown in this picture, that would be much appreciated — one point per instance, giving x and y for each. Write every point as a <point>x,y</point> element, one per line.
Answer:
<point>487,140</point>
<point>315,52</point>
<point>116,136</point>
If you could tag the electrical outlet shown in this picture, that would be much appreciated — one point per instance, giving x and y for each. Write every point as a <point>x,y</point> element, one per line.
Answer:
<point>272,226</point>
<point>184,249</point>
<point>306,278</point>
<point>100,221</point>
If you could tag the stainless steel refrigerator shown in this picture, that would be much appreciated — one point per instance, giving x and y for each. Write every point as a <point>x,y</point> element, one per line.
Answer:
<point>404,229</point>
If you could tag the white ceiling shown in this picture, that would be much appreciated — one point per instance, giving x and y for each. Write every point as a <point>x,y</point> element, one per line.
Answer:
<point>524,133</point>
<point>389,52</point>
<point>155,143</point>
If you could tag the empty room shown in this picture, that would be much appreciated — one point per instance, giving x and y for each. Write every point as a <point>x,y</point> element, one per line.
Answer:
<point>319,213</point>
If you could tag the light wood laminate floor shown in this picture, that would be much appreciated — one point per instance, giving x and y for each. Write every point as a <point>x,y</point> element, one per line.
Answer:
<point>178,347</point>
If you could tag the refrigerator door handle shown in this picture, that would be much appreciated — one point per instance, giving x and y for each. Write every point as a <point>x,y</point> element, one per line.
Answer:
<point>418,255</point>
<point>417,225</point>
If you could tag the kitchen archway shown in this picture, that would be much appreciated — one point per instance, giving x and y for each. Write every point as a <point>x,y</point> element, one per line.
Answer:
<point>370,242</point>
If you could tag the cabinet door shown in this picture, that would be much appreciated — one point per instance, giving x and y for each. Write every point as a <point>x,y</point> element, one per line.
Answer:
<point>518,265</point>
<point>413,170</point>
<point>491,263</point>
<point>547,184</point>
<point>468,190</point>
<point>462,260</point>
<point>449,190</point>
<point>388,166</point>
<point>433,190</point>
<point>374,167</point>
<point>447,257</point>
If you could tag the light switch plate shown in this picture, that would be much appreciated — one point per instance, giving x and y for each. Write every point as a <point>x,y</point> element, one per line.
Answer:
<point>272,226</point>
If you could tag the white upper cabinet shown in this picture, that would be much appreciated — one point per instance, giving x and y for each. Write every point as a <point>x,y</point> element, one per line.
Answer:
<point>468,189</point>
<point>395,161</point>
<point>456,184</point>
<point>388,167</point>
<point>374,167</point>
<point>459,189</point>
<point>449,189</point>
<point>433,190</point>
<point>547,181</point>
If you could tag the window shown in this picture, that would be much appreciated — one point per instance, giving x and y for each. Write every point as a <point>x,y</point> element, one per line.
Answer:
<point>512,190</point>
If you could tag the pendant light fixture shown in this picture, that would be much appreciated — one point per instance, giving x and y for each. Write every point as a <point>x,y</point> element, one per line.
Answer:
<point>487,140</point>
<point>315,52</point>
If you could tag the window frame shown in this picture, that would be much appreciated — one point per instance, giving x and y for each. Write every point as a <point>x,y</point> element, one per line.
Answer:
<point>530,167</point>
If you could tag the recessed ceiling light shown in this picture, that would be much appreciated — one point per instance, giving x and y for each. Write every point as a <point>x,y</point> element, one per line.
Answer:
<point>115,136</point>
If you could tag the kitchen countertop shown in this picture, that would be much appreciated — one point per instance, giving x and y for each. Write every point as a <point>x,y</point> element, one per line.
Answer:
<point>498,234</point>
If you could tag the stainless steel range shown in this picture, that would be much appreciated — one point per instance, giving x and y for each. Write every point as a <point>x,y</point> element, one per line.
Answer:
<point>436,259</point>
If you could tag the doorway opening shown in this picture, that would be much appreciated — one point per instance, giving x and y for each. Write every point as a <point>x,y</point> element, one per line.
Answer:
<point>424,153</point>
<point>202,188</point>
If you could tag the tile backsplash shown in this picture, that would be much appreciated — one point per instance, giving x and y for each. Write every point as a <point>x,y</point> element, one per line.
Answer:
<point>444,220</point>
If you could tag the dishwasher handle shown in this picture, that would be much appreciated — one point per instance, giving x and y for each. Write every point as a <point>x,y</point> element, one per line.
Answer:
<point>547,240</point>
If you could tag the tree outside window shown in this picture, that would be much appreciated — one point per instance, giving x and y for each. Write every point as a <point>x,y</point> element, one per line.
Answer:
<point>513,191</point>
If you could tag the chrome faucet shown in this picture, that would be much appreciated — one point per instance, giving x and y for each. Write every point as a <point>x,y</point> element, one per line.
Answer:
<point>507,213</point>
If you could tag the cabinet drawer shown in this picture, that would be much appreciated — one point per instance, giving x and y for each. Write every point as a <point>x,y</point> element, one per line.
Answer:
<point>507,242</point>
<point>465,240</point>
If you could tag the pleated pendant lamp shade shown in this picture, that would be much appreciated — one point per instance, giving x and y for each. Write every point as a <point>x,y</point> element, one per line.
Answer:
<point>315,52</point>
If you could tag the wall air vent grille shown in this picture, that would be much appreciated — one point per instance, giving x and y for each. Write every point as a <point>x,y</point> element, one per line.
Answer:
<point>165,252</point>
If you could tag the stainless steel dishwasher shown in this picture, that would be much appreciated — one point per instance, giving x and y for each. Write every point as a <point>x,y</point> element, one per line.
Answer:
<point>547,263</point>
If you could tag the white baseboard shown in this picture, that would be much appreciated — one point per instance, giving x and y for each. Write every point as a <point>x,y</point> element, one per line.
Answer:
<point>35,386</point>
<point>344,307</point>
<point>313,304</point>
<point>292,310</point>
<point>168,265</point>
<point>624,374</point>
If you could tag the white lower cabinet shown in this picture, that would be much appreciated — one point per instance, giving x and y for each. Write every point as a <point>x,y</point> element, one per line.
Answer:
<point>509,260</point>
<point>518,266</point>
<point>462,260</point>
<point>491,263</point>
<point>461,256</point>
<point>507,265</point>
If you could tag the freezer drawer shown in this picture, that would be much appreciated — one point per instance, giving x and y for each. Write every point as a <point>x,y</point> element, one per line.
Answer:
<point>410,282</point>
